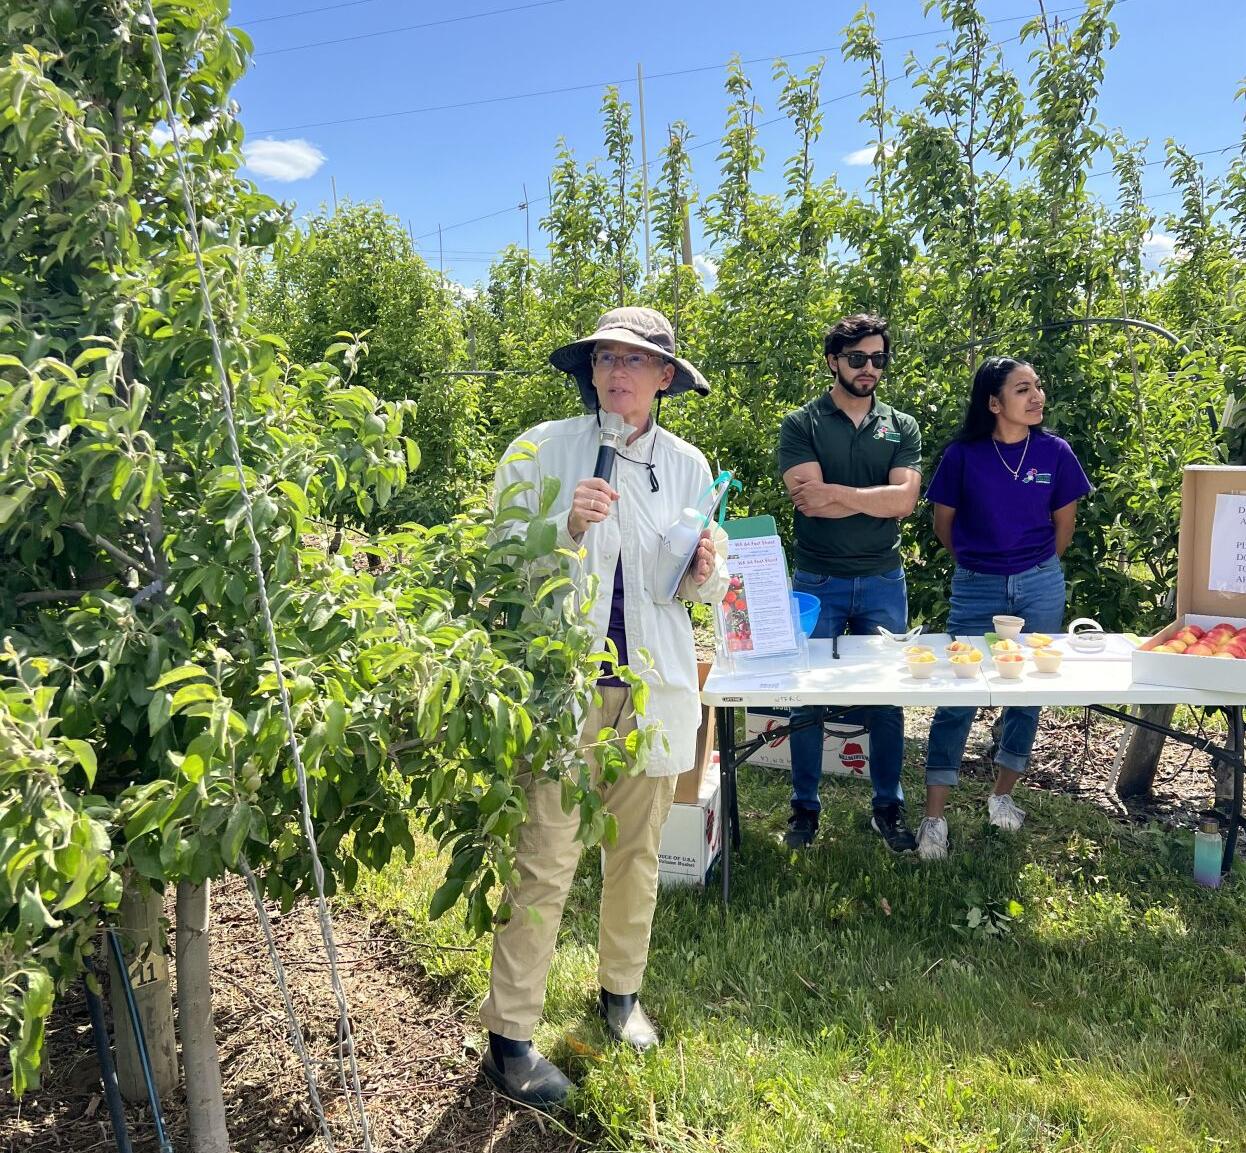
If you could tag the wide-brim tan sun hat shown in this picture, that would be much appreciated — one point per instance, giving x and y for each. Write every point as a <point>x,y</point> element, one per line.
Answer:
<point>643,328</point>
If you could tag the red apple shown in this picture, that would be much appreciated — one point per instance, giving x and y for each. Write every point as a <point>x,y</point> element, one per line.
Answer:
<point>1201,649</point>
<point>1162,649</point>
<point>1177,645</point>
<point>1198,633</point>
<point>1236,649</point>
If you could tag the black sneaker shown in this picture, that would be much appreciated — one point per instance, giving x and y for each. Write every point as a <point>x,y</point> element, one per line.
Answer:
<point>802,827</point>
<point>889,824</point>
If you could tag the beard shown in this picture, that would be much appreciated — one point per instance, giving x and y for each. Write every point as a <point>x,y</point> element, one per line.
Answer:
<point>857,390</point>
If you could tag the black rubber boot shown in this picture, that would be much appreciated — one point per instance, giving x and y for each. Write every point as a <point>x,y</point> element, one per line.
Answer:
<point>518,1071</point>
<point>626,1020</point>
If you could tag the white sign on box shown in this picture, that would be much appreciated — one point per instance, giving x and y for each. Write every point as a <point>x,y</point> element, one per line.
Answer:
<point>1228,545</point>
<point>844,752</point>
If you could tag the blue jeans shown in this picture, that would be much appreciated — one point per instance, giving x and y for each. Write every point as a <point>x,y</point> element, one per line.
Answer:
<point>860,605</point>
<point>1037,595</point>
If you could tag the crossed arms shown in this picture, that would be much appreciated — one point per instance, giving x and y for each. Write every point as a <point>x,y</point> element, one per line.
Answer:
<point>813,497</point>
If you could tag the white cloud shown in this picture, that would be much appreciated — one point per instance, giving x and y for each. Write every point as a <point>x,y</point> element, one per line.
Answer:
<point>283,160</point>
<point>162,134</point>
<point>1158,248</point>
<point>706,269</point>
<point>865,156</point>
<point>462,291</point>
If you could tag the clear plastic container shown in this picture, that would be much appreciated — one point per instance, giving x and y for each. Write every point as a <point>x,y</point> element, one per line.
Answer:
<point>679,543</point>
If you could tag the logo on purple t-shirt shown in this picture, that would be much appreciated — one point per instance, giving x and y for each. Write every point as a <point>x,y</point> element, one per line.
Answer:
<point>1033,476</point>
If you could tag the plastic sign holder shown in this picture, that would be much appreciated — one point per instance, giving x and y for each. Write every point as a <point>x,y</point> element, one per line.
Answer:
<point>754,624</point>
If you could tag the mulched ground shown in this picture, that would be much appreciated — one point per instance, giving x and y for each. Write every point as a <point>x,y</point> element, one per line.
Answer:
<point>415,1045</point>
<point>415,1041</point>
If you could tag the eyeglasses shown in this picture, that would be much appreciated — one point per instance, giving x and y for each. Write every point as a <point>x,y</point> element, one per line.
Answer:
<point>632,361</point>
<point>858,359</point>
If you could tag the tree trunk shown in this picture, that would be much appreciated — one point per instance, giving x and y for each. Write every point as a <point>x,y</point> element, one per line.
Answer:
<point>1136,772</point>
<point>205,1107</point>
<point>1224,784</point>
<point>142,940</point>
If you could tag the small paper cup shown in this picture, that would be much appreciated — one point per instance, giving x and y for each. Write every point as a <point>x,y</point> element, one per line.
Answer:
<point>966,670</point>
<point>1008,627</point>
<point>921,670</point>
<point>1007,645</point>
<point>959,647</point>
<point>1048,660</point>
<point>1010,665</point>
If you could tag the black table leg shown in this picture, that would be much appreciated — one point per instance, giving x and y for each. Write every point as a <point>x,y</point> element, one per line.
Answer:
<point>1239,765</point>
<point>726,796</point>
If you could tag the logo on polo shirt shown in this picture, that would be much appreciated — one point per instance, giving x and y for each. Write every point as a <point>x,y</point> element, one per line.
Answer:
<point>883,432</point>
<point>1033,476</point>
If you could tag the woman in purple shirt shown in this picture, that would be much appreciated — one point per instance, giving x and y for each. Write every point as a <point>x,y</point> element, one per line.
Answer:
<point>1005,498</point>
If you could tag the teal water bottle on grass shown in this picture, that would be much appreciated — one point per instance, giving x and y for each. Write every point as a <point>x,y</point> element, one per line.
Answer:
<point>1208,852</point>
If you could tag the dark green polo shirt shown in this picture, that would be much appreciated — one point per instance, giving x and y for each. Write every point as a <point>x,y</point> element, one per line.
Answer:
<point>857,545</point>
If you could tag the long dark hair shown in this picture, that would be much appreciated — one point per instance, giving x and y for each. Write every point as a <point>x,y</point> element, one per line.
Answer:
<point>979,422</point>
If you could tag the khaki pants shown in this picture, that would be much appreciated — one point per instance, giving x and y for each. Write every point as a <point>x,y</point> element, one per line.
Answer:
<point>546,862</point>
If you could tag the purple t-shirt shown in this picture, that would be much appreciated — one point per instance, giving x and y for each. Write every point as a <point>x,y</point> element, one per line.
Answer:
<point>616,630</point>
<point>1003,524</point>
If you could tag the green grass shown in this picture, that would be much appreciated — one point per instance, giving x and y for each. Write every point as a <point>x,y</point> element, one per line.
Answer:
<point>1069,988</point>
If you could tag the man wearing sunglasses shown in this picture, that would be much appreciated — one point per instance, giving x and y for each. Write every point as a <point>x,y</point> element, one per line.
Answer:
<point>852,466</point>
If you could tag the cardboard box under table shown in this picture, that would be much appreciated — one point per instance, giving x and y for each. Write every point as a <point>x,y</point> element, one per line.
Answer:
<point>1211,581</point>
<point>692,836</point>
<point>688,787</point>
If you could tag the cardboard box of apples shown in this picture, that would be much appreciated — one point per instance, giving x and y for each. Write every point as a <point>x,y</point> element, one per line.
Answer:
<point>1196,651</point>
<point>1223,639</point>
<point>1205,647</point>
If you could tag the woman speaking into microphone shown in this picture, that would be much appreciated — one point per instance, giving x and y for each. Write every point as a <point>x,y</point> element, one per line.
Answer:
<point>618,517</point>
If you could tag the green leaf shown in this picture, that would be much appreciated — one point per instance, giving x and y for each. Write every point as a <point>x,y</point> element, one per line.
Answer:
<point>541,539</point>
<point>11,502</point>
<point>235,832</point>
<point>445,897</point>
<point>184,673</point>
<point>159,709</point>
<point>85,756</point>
<point>191,694</point>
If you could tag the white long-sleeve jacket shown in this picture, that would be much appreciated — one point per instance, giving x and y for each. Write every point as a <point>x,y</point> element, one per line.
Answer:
<point>567,450</point>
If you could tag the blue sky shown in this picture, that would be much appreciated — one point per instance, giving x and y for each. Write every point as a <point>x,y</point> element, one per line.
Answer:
<point>337,114</point>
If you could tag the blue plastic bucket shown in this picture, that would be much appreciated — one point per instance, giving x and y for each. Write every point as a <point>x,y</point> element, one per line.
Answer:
<point>805,609</point>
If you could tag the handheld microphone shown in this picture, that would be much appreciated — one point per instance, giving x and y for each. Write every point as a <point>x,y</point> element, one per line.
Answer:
<point>610,440</point>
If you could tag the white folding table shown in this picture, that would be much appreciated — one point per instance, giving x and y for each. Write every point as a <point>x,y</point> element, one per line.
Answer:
<point>850,671</point>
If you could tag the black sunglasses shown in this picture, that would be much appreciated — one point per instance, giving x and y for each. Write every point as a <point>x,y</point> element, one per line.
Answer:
<point>858,359</point>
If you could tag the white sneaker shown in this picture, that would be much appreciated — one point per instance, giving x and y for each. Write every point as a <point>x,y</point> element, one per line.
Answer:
<point>1004,813</point>
<point>932,839</point>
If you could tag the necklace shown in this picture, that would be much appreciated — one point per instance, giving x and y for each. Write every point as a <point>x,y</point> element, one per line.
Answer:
<point>1015,472</point>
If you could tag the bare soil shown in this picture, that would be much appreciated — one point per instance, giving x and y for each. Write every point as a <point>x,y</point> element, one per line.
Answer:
<point>415,1046</point>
